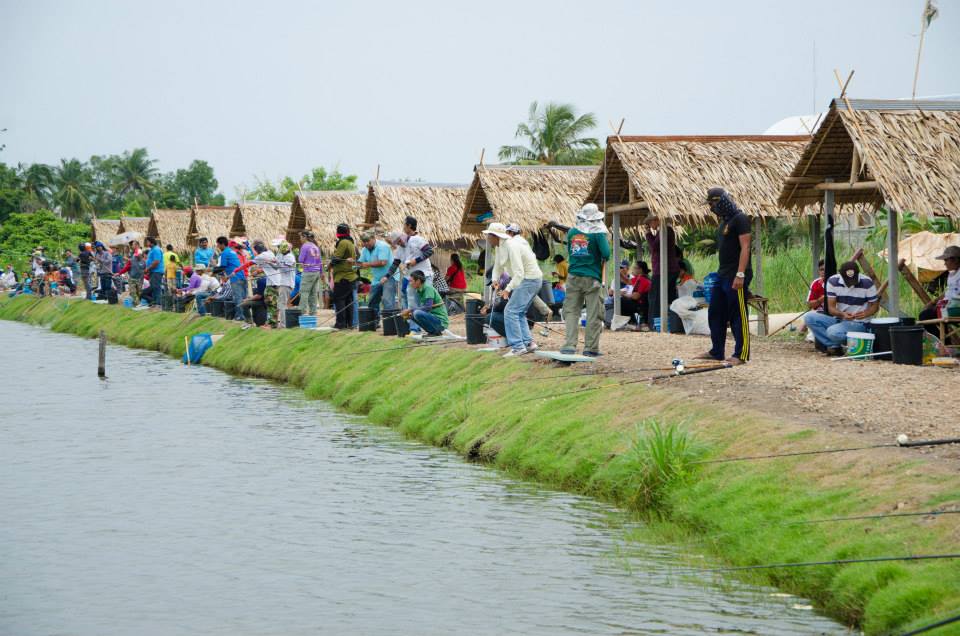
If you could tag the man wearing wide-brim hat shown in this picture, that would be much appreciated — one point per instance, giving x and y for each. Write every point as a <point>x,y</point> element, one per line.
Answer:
<point>938,308</point>
<point>588,250</point>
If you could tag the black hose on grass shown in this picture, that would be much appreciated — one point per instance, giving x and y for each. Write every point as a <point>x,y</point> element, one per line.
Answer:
<point>929,513</point>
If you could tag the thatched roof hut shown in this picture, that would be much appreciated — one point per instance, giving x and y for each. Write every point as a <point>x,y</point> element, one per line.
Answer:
<point>668,176</point>
<point>905,154</point>
<point>170,228</point>
<point>134,224</point>
<point>103,229</point>
<point>321,212</point>
<point>209,221</point>
<point>530,196</point>
<point>437,207</point>
<point>260,220</point>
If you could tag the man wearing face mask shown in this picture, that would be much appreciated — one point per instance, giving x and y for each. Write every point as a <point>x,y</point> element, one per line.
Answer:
<point>728,304</point>
<point>851,299</point>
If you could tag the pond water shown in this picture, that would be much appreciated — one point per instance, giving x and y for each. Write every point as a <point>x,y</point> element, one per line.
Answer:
<point>172,500</point>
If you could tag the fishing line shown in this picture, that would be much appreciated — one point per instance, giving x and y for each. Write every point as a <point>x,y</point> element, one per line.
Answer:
<point>802,564</point>
<point>414,346</point>
<point>903,444</point>
<point>876,516</point>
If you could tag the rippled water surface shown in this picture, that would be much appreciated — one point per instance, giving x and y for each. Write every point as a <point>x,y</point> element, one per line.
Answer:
<point>171,500</point>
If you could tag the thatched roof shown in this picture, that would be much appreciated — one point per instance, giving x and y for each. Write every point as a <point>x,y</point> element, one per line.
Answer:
<point>322,211</point>
<point>671,175</point>
<point>260,220</point>
<point>169,227</point>
<point>438,208</point>
<point>908,154</point>
<point>103,229</point>
<point>530,196</point>
<point>209,221</point>
<point>134,224</point>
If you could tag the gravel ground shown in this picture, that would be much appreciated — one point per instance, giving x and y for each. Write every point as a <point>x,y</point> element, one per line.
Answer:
<point>789,380</point>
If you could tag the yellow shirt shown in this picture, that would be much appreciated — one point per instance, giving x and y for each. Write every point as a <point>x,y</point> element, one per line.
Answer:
<point>170,266</point>
<point>562,269</point>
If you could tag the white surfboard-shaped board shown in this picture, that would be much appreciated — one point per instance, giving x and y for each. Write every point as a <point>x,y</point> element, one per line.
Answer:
<point>563,357</point>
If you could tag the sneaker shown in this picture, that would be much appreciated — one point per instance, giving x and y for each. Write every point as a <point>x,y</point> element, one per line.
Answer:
<point>568,352</point>
<point>514,353</point>
<point>449,334</point>
<point>592,354</point>
<point>532,347</point>
<point>819,346</point>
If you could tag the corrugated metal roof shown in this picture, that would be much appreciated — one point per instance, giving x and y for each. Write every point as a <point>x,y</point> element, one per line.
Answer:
<point>897,104</point>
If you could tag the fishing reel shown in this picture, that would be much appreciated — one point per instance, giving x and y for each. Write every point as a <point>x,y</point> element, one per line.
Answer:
<point>678,365</point>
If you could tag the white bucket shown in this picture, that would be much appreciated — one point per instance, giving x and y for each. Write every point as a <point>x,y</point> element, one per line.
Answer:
<point>496,340</point>
<point>859,343</point>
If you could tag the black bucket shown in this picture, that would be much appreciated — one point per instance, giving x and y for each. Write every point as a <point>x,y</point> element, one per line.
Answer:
<point>229,307</point>
<point>180,304</point>
<point>475,323</point>
<point>389,324</point>
<point>216,308</point>
<point>291,318</point>
<point>368,319</point>
<point>112,296</point>
<point>907,344</point>
<point>166,302</point>
<point>880,328</point>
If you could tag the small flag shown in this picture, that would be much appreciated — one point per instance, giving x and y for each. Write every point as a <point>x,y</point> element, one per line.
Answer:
<point>930,13</point>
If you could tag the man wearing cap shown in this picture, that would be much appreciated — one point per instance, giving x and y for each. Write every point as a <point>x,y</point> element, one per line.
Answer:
<point>520,264</point>
<point>85,258</point>
<point>851,299</point>
<point>951,293</point>
<point>104,260</point>
<point>312,272</point>
<point>416,258</point>
<point>154,269</point>
<point>588,250</point>
<point>728,304</point>
<point>377,257</point>
<point>231,264</point>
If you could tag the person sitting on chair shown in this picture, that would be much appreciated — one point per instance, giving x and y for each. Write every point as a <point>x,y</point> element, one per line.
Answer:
<point>851,299</point>
<point>951,294</point>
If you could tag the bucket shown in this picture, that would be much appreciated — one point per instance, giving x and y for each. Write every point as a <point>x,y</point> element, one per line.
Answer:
<point>291,318</point>
<point>259,314</point>
<point>389,325</point>
<point>166,302</point>
<point>401,326</point>
<point>216,308</point>
<point>229,308</point>
<point>859,343</point>
<point>368,320</point>
<point>180,304</point>
<point>475,321</point>
<point>307,322</point>
<point>128,302</point>
<point>881,329</point>
<point>112,298</point>
<point>656,324</point>
<point>907,344</point>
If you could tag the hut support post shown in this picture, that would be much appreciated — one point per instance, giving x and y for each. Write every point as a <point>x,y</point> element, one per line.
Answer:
<point>757,256</point>
<point>815,243</point>
<point>893,260</point>
<point>664,275</point>
<point>487,264</point>
<point>616,265</point>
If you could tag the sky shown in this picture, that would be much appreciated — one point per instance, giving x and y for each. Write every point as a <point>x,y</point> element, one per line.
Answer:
<point>420,87</point>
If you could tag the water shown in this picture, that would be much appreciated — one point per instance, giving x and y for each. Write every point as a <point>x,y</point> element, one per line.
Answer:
<point>171,500</point>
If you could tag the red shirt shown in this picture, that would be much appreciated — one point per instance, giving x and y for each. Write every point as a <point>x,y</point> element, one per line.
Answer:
<point>456,278</point>
<point>817,291</point>
<point>641,285</point>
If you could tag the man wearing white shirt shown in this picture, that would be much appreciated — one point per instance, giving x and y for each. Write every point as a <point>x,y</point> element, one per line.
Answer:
<point>520,263</point>
<point>416,258</point>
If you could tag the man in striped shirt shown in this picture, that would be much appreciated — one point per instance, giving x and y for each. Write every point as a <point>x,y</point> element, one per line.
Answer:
<point>851,299</point>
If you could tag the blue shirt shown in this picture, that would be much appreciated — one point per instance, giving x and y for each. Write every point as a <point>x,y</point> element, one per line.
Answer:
<point>380,252</point>
<point>202,256</point>
<point>229,261</point>
<point>155,255</point>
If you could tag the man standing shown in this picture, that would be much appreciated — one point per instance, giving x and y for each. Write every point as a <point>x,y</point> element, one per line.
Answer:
<point>104,260</point>
<point>728,304</point>
<point>673,267</point>
<point>588,250</point>
<point>154,270</point>
<point>203,254</point>
<point>135,271</point>
<point>344,276</point>
<point>520,264</point>
<point>312,273</point>
<point>85,258</point>
<point>851,299</point>
<point>230,262</point>
<point>286,266</point>
<point>376,256</point>
<point>69,260</point>
<point>267,261</point>
<point>416,258</point>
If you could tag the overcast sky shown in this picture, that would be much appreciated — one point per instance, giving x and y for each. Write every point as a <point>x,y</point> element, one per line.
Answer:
<point>275,88</point>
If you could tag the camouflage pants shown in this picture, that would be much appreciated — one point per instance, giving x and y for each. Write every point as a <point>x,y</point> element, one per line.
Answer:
<point>270,296</point>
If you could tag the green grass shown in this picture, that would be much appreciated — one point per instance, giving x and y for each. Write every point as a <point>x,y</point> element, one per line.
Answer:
<point>591,443</point>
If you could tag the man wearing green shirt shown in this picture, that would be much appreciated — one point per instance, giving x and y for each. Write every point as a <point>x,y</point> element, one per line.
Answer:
<point>588,251</point>
<point>344,276</point>
<point>431,313</point>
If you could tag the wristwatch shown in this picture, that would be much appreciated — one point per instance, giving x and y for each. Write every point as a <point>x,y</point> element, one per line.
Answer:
<point>741,275</point>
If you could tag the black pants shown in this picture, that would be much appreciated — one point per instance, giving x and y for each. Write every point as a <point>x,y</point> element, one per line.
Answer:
<point>106,284</point>
<point>653,297</point>
<point>631,307</point>
<point>728,306</point>
<point>930,314</point>
<point>342,300</point>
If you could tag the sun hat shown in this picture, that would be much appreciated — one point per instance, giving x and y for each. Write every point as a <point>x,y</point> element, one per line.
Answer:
<point>497,229</point>
<point>952,251</point>
<point>513,228</point>
<point>590,212</point>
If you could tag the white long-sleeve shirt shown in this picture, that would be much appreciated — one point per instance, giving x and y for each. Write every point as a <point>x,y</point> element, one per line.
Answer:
<point>521,263</point>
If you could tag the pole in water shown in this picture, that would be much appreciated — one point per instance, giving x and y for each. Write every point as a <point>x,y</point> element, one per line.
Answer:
<point>102,359</point>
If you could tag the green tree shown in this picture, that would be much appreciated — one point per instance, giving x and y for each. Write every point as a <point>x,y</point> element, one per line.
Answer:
<point>197,182</point>
<point>73,189</point>
<point>135,172</point>
<point>11,191</point>
<point>286,189</point>
<point>22,232</point>
<point>103,171</point>
<point>555,135</point>
<point>38,184</point>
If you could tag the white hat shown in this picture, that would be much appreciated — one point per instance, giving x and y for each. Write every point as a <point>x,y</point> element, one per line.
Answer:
<point>497,229</point>
<point>590,212</point>
<point>513,228</point>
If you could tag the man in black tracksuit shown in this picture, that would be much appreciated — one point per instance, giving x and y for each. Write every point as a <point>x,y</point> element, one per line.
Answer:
<point>728,304</point>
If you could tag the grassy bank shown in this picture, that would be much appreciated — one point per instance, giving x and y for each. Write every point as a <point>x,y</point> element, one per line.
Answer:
<point>601,443</point>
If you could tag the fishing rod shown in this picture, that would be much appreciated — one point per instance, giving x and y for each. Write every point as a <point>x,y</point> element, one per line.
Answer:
<point>902,442</point>
<point>595,374</point>
<point>803,564</point>
<point>414,346</point>
<point>932,626</point>
<point>892,515</point>
<point>664,376</point>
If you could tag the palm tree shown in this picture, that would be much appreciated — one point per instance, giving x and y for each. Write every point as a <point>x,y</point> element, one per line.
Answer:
<point>74,189</point>
<point>555,136</point>
<point>38,182</point>
<point>135,173</point>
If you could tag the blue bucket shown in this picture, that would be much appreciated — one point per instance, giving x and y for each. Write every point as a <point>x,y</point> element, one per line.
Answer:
<point>128,302</point>
<point>710,281</point>
<point>656,324</point>
<point>308,322</point>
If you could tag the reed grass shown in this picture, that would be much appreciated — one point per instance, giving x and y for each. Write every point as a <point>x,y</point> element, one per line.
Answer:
<point>590,443</point>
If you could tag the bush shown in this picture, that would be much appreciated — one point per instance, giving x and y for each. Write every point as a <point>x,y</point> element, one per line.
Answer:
<point>21,233</point>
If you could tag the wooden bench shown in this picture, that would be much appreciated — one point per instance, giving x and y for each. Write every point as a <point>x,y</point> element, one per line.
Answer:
<point>944,325</point>
<point>759,304</point>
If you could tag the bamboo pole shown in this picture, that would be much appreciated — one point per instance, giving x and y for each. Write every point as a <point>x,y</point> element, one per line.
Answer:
<point>664,236</point>
<point>102,357</point>
<point>893,262</point>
